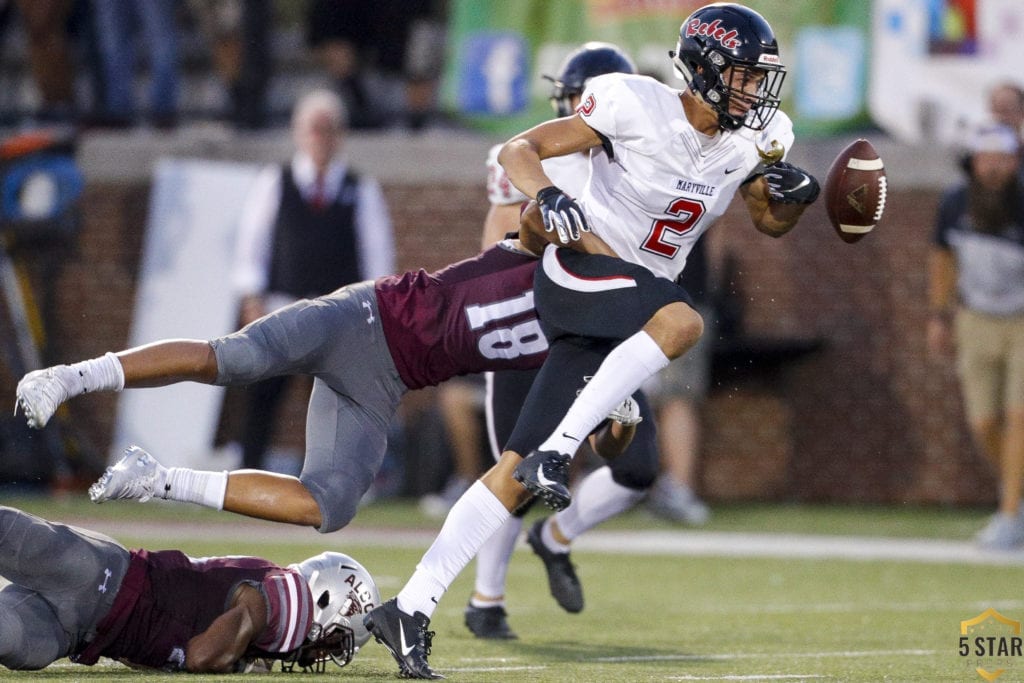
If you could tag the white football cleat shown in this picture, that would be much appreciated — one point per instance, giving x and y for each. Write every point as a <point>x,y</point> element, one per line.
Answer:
<point>41,392</point>
<point>136,476</point>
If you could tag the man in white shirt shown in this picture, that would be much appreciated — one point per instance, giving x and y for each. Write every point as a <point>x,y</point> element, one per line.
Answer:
<point>308,227</point>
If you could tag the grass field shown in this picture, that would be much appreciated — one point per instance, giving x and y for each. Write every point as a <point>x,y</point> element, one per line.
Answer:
<point>657,616</point>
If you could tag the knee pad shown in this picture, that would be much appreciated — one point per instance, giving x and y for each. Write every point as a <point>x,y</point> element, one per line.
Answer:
<point>337,494</point>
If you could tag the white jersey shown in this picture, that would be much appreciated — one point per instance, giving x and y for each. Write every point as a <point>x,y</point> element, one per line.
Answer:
<point>666,183</point>
<point>569,173</point>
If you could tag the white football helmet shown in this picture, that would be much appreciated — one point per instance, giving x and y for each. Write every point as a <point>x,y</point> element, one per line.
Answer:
<point>343,592</point>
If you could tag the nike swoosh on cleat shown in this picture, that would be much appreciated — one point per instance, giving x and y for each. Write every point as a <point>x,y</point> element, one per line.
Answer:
<point>569,436</point>
<point>406,649</point>
<point>541,478</point>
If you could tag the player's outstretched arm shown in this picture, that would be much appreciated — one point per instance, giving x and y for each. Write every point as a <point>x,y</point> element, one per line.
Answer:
<point>219,647</point>
<point>778,198</point>
<point>614,437</point>
<point>535,237</point>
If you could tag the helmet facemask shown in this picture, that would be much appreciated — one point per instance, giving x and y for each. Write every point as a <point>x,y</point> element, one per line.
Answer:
<point>728,55</point>
<point>335,644</point>
<point>723,82</point>
<point>343,593</point>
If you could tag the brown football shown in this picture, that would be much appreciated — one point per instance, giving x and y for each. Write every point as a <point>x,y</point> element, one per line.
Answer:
<point>855,190</point>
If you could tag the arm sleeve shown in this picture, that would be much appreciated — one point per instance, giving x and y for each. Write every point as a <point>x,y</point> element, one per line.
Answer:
<point>289,611</point>
<point>374,231</point>
<point>255,231</point>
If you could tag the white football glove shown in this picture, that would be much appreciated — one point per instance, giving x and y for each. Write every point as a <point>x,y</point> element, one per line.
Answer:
<point>627,413</point>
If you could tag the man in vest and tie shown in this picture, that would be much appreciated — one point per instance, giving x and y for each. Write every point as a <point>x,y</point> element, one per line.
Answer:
<point>308,227</point>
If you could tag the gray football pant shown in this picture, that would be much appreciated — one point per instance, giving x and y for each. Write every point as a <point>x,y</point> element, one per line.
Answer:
<point>338,339</point>
<point>63,581</point>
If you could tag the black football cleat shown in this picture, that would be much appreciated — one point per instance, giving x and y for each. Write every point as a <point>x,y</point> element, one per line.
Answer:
<point>405,637</point>
<point>545,474</point>
<point>562,580</point>
<point>489,623</point>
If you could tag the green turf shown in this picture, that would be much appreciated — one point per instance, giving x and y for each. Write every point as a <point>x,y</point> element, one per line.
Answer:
<point>679,618</point>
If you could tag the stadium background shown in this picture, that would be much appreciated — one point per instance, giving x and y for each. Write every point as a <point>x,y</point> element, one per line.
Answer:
<point>825,391</point>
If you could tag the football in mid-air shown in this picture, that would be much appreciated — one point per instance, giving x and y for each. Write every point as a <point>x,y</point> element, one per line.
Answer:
<point>855,190</point>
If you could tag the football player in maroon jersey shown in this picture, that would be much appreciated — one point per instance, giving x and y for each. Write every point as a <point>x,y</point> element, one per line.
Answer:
<point>80,594</point>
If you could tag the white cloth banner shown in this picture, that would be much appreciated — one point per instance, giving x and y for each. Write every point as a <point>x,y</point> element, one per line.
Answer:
<point>184,291</point>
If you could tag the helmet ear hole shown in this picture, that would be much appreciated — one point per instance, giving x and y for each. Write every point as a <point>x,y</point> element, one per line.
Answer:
<point>324,599</point>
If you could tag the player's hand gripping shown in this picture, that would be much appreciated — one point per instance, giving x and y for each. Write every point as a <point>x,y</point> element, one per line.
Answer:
<point>627,413</point>
<point>562,214</point>
<point>789,184</point>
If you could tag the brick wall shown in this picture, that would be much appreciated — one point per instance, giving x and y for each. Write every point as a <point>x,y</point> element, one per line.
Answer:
<point>868,417</point>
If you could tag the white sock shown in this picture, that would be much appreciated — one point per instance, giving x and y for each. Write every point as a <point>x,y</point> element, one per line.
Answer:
<point>598,498</point>
<point>492,561</point>
<point>549,540</point>
<point>195,486</point>
<point>470,522</point>
<point>98,374</point>
<point>621,373</point>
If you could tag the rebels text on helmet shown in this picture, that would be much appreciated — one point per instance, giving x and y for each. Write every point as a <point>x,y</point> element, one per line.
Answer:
<point>713,30</point>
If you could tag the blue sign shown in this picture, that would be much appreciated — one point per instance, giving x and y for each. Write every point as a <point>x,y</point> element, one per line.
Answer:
<point>493,73</point>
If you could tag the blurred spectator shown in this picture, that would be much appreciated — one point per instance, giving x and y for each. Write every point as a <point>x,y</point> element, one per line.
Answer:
<point>384,56</point>
<point>1006,105</point>
<point>308,227</point>
<point>50,56</point>
<point>678,394</point>
<point>976,298</point>
<point>461,401</point>
<point>118,25</point>
<point>238,33</point>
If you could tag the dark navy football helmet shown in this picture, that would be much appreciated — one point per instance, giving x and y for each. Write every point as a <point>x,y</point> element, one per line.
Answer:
<point>589,60</point>
<point>724,51</point>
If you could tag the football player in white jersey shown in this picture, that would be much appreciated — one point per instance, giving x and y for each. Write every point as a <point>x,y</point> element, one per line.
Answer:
<point>605,492</point>
<point>672,162</point>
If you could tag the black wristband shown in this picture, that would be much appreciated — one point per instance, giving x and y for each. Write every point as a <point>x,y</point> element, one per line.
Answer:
<point>546,192</point>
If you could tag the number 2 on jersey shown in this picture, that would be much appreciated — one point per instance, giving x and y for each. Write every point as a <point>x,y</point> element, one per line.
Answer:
<point>689,211</point>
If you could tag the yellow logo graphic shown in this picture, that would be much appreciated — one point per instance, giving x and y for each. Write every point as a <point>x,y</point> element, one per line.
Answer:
<point>991,641</point>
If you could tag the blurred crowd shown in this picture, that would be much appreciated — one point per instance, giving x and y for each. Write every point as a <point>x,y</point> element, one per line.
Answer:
<point>158,63</point>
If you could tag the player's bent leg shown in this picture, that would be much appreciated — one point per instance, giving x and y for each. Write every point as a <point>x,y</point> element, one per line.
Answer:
<point>31,635</point>
<point>270,496</point>
<point>675,328</point>
<point>169,362</point>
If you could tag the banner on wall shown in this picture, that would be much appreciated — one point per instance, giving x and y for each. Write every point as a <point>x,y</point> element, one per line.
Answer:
<point>935,60</point>
<point>499,52</point>
<point>184,291</point>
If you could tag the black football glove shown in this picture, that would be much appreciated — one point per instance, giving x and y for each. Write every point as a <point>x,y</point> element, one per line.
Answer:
<point>789,184</point>
<point>562,214</point>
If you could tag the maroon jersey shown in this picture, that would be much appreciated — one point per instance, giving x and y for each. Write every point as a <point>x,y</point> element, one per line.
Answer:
<point>167,598</point>
<point>472,316</point>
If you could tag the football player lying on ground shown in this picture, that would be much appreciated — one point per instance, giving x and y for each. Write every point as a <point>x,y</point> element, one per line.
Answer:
<point>77,593</point>
<point>365,344</point>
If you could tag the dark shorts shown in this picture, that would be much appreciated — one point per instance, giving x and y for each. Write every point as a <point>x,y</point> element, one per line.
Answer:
<point>599,297</point>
